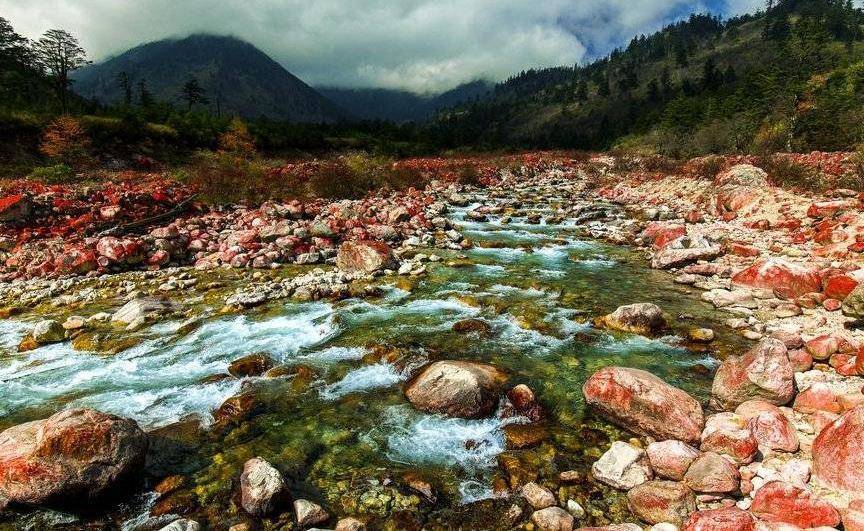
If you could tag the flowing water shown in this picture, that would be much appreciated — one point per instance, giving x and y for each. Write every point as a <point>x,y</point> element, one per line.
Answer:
<point>341,429</point>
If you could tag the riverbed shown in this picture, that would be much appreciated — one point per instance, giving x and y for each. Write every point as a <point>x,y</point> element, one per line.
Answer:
<point>336,422</point>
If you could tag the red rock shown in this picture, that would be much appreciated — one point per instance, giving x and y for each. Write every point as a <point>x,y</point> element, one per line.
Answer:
<point>773,431</point>
<point>821,420</point>
<point>728,519</point>
<point>825,346</point>
<point>817,397</point>
<point>662,501</point>
<point>764,372</point>
<point>832,305</point>
<point>853,516</point>
<point>838,452</point>
<point>823,209</point>
<point>364,257</point>
<point>844,364</point>
<point>15,208</point>
<point>777,501</point>
<point>75,261</point>
<point>728,434</point>
<point>711,473</point>
<point>662,234</point>
<point>739,249</point>
<point>641,402</point>
<point>73,456</point>
<point>117,250</point>
<point>792,279</point>
<point>839,286</point>
<point>801,360</point>
<point>671,459</point>
<point>159,258</point>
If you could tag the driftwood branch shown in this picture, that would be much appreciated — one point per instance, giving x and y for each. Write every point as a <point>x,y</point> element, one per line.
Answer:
<point>173,213</point>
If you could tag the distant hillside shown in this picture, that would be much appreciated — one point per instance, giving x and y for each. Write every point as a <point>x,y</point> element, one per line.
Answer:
<point>403,106</point>
<point>237,78</point>
<point>791,78</point>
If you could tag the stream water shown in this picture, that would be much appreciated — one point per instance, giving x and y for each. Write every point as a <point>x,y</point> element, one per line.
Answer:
<point>341,430</point>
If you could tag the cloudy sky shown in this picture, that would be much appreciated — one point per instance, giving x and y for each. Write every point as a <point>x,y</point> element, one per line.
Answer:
<point>420,45</point>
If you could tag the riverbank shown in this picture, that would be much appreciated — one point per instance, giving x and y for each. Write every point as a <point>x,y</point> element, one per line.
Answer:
<point>518,265</point>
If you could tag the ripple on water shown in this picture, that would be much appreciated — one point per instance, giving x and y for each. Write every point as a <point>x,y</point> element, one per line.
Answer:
<point>434,440</point>
<point>364,378</point>
<point>157,381</point>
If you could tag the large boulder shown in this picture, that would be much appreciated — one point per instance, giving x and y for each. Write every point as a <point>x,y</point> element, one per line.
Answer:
<point>643,403</point>
<point>785,278</point>
<point>662,501</point>
<point>73,456</point>
<point>743,175</point>
<point>262,488</point>
<point>838,452</point>
<point>643,318</point>
<point>456,388</point>
<point>364,257</point>
<point>764,372</point>
<point>781,502</point>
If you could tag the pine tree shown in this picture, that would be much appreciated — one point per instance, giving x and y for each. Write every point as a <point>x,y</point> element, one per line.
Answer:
<point>192,93</point>
<point>59,54</point>
<point>126,87</point>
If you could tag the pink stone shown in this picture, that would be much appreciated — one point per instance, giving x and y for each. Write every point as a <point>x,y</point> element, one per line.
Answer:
<point>728,519</point>
<point>777,501</point>
<point>790,279</point>
<point>838,452</point>
<point>641,402</point>
<point>671,459</point>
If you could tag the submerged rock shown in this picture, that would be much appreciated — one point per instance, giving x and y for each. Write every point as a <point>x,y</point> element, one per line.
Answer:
<point>456,388</point>
<point>251,365</point>
<point>643,318</point>
<point>764,372</point>
<point>262,488</point>
<point>309,513</point>
<point>643,403</point>
<point>73,456</point>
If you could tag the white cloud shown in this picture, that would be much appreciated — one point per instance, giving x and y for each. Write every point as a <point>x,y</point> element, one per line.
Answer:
<point>421,45</point>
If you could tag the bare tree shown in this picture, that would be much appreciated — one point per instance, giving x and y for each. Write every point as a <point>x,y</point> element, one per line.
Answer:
<point>59,54</point>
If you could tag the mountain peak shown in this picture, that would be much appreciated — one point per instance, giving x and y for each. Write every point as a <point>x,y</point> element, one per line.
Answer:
<point>238,78</point>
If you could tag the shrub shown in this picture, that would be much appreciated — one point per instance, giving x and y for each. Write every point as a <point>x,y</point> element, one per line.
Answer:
<point>59,173</point>
<point>468,175</point>
<point>708,167</point>
<point>787,173</point>
<point>237,140</point>
<point>66,142</point>
<point>226,178</point>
